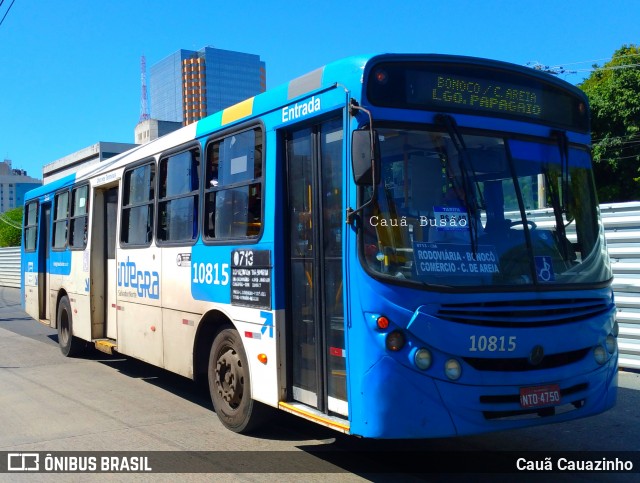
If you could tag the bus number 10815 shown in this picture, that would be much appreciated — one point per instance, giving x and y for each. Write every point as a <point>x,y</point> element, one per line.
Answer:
<point>493,343</point>
<point>211,273</point>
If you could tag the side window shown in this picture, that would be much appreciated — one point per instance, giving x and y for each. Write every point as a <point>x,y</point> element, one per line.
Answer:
<point>60,220</point>
<point>31,227</point>
<point>179,177</point>
<point>137,206</point>
<point>233,188</point>
<point>78,223</point>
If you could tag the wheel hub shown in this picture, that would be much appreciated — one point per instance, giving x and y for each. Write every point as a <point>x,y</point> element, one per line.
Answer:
<point>230,378</point>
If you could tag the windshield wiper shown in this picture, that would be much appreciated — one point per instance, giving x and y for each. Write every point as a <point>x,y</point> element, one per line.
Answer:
<point>557,211</point>
<point>563,146</point>
<point>470,203</point>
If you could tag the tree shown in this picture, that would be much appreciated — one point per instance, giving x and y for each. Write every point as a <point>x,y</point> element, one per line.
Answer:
<point>614,96</point>
<point>10,231</point>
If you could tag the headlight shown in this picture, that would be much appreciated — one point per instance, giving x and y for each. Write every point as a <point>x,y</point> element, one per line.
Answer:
<point>600,354</point>
<point>610,342</point>
<point>422,358</point>
<point>395,341</point>
<point>452,369</point>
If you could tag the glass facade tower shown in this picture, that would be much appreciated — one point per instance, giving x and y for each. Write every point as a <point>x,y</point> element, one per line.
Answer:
<point>188,85</point>
<point>14,183</point>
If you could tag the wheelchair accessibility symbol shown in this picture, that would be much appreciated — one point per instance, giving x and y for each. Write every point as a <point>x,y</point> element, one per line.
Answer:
<point>544,269</point>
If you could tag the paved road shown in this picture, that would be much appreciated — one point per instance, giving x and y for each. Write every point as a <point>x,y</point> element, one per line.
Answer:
<point>106,403</point>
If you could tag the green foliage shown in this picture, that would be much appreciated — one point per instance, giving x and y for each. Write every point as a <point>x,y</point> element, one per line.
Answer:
<point>614,95</point>
<point>10,234</point>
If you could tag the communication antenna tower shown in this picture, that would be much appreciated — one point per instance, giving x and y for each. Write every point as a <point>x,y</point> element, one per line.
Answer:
<point>144,108</point>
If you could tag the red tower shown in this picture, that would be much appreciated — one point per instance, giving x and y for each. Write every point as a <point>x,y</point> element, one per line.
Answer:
<point>144,107</point>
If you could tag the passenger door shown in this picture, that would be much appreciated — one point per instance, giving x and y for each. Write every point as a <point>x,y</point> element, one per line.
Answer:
<point>44,248</point>
<point>103,263</point>
<point>314,168</point>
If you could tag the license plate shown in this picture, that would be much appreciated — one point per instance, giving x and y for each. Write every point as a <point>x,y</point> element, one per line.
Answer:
<point>539,396</point>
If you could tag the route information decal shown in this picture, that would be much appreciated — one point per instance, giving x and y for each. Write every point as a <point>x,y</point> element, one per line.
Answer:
<point>452,259</point>
<point>251,278</point>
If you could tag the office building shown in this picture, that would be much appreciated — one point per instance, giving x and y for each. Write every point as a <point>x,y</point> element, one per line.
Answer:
<point>189,85</point>
<point>14,183</point>
<point>94,154</point>
<point>151,129</point>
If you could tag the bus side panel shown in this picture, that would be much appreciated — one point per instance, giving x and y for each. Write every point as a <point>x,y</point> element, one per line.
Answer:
<point>139,304</point>
<point>212,282</point>
<point>30,284</point>
<point>68,277</point>
<point>257,329</point>
<point>180,313</point>
<point>76,285</point>
<point>176,278</point>
<point>55,284</point>
<point>81,311</point>
<point>59,269</point>
<point>179,330</point>
<point>140,332</point>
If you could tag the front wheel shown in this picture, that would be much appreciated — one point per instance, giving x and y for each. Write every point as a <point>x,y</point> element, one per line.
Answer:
<point>69,345</point>
<point>230,384</point>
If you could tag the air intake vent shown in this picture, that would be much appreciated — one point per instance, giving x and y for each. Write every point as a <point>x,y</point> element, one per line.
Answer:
<point>522,364</point>
<point>530,313</point>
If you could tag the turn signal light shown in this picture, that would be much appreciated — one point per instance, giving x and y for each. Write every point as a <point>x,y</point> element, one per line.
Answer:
<point>262,358</point>
<point>382,322</point>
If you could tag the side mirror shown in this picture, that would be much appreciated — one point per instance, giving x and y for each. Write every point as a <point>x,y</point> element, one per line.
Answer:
<point>365,164</point>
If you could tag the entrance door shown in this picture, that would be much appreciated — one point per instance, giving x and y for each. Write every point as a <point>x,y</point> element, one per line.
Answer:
<point>111,215</point>
<point>316,220</point>
<point>43,262</point>
<point>103,263</point>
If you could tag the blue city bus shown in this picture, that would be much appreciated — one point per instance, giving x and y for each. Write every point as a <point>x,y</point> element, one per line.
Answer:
<point>393,246</point>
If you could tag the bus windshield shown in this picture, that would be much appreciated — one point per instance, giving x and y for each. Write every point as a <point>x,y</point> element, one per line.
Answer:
<point>455,209</point>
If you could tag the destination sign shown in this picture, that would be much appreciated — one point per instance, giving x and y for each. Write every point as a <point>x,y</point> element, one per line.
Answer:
<point>478,89</point>
<point>452,259</point>
<point>478,94</point>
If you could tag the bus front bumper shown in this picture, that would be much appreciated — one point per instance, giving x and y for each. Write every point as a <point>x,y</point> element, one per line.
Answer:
<point>397,402</point>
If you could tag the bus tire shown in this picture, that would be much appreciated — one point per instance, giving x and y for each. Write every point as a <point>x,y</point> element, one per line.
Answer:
<point>230,384</point>
<point>69,345</point>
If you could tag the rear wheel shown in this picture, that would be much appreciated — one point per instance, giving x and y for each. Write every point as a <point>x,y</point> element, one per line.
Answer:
<point>69,345</point>
<point>230,384</point>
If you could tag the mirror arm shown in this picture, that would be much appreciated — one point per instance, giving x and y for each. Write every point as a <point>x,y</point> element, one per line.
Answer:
<point>353,107</point>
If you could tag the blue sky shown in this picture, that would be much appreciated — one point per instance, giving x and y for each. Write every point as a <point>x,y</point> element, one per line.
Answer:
<point>70,70</point>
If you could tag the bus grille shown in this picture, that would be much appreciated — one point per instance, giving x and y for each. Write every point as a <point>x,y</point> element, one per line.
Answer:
<point>528,313</point>
<point>522,363</point>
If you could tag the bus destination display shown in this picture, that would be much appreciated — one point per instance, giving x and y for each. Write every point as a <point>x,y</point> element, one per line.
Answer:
<point>478,94</point>
<point>478,90</point>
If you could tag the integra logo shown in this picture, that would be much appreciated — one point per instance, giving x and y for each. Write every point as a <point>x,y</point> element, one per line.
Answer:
<point>145,283</point>
<point>291,113</point>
